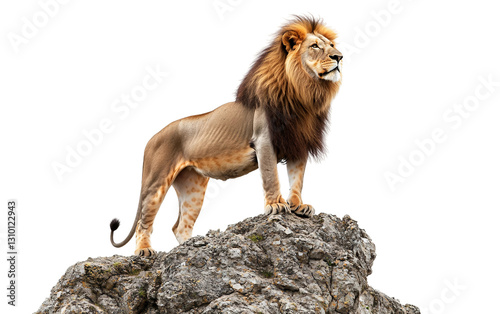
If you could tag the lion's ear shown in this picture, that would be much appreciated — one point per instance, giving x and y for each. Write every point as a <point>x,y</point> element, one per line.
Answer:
<point>290,39</point>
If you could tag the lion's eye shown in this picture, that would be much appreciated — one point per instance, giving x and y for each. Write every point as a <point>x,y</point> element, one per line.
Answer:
<point>315,46</point>
<point>331,45</point>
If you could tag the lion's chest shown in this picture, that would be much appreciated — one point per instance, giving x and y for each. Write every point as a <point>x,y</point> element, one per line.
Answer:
<point>295,136</point>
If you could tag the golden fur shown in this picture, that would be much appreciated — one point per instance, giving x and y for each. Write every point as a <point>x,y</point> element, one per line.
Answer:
<point>280,113</point>
<point>296,103</point>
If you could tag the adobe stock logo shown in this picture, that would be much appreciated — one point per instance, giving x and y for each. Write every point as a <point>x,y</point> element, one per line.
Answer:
<point>380,19</point>
<point>121,108</point>
<point>453,118</point>
<point>224,6</point>
<point>449,294</point>
<point>375,25</point>
<point>30,27</point>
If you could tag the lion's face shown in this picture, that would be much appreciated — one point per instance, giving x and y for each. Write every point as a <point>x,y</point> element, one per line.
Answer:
<point>320,58</point>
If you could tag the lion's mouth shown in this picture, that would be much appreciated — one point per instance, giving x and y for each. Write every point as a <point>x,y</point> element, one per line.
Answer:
<point>328,72</point>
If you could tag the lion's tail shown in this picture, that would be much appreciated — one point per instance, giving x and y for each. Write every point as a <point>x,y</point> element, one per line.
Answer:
<point>115,223</point>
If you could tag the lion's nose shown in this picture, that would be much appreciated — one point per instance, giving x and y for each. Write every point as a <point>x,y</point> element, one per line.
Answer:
<point>336,57</point>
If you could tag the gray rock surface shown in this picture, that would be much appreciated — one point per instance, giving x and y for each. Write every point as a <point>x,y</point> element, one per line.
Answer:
<point>264,264</point>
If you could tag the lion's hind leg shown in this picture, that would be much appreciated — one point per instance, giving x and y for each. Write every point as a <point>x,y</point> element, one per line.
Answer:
<point>190,187</point>
<point>150,205</point>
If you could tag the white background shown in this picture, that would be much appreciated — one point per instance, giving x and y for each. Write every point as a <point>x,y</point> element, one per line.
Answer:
<point>402,72</point>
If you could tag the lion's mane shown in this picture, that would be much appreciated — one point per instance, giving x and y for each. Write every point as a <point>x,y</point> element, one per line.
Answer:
<point>296,104</point>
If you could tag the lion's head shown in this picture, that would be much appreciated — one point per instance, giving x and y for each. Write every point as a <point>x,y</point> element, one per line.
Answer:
<point>295,78</point>
<point>315,50</point>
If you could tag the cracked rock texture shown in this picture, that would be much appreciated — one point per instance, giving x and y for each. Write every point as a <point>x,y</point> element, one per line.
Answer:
<point>264,264</point>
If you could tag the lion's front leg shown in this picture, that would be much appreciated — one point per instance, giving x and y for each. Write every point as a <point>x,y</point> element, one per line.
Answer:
<point>274,202</point>
<point>296,171</point>
<point>267,160</point>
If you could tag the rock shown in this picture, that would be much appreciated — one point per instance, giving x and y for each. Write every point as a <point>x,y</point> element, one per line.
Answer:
<point>264,264</point>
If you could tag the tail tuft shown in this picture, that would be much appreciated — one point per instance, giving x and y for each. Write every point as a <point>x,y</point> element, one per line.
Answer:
<point>115,223</point>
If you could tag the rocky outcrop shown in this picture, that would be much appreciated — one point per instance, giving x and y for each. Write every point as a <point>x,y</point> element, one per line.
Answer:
<point>264,264</point>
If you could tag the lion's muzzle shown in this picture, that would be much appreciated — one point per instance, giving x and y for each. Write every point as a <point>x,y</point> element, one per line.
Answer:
<point>329,66</point>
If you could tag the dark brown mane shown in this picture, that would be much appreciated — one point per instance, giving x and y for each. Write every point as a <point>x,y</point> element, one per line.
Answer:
<point>296,104</point>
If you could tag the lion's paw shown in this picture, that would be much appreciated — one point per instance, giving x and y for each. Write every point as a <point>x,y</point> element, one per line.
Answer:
<point>146,252</point>
<point>303,210</point>
<point>276,208</point>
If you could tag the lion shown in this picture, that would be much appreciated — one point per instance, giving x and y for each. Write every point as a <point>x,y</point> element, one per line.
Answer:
<point>279,115</point>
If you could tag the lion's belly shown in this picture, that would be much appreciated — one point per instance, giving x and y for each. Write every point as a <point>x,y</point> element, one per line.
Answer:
<point>227,166</point>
